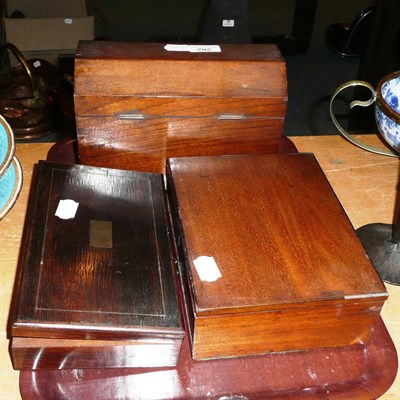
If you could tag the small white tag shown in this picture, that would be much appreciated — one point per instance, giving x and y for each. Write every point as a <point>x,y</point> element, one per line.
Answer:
<point>228,23</point>
<point>207,268</point>
<point>66,209</point>
<point>68,21</point>
<point>193,48</point>
<point>37,64</point>
<point>176,47</point>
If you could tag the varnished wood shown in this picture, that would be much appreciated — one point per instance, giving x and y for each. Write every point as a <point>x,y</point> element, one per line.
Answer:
<point>118,106</point>
<point>361,372</point>
<point>148,70</point>
<point>106,273</point>
<point>145,146</point>
<point>137,104</point>
<point>39,353</point>
<point>294,274</point>
<point>365,184</point>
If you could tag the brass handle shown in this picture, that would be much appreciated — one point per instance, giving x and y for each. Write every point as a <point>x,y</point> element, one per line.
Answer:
<point>354,103</point>
<point>37,98</point>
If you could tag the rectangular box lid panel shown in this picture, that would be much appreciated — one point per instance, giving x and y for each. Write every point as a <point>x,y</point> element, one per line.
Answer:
<point>104,270</point>
<point>274,230</point>
<point>156,72</point>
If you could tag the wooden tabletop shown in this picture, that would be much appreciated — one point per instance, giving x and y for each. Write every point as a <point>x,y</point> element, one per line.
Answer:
<point>365,184</point>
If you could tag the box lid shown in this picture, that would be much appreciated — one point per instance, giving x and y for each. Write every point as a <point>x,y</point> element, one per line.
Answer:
<point>141,80</point>
<point>95,258</point>
<point>272,228</point>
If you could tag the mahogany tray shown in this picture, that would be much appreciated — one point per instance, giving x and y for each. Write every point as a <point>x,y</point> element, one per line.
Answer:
<point>363,371</point>
<point>355,372</point>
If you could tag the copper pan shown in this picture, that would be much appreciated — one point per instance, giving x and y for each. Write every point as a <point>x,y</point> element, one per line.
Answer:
<point>26,98</point>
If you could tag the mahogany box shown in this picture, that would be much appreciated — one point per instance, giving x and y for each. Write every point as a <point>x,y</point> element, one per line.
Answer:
<point>96,285</point>
<point>137,104</point>
<point>269,261</point>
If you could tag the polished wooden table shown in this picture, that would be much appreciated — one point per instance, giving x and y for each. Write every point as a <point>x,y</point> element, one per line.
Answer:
<point>364,183</point>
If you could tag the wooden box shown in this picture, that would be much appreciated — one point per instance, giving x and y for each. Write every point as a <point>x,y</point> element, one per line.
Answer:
<point>137,104</point>
<point>268,259</point>
<point>95,285</point>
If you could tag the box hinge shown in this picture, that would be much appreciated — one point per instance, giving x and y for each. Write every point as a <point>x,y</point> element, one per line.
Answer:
<point>364,296</point>
<point>130,116</point>
<point>231,116</point>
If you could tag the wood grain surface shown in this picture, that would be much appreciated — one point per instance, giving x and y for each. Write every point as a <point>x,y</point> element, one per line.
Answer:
<point>293,272</point>
<point>70,287</point>
<point>148,70</point>
<point>138,104</point>
<point>104,273</point>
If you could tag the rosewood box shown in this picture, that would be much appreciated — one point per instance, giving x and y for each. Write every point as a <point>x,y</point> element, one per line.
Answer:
<point>95,285</point>
<point>269,261</point>
<point>137,104</point>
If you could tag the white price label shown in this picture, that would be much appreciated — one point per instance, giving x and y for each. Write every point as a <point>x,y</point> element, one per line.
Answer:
<point>207,268</point>
<point>66,209</point>
<point>228,23</point>
<point>193,48</point>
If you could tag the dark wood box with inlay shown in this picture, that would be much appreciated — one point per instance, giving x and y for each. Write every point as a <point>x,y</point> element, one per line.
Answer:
<point>95,285</point>
<point>269,260</point>
<point>137,104</point>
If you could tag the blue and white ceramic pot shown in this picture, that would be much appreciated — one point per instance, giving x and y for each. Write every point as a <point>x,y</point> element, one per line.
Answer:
<point>387,111</point>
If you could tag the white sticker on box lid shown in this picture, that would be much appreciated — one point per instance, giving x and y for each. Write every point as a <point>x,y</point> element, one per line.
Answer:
<point>68,21</point>
<point>207,268</point>
<point>193,48</point>
<point>66,209</point>
<point>37,64</point>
